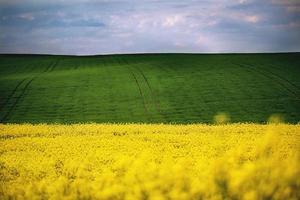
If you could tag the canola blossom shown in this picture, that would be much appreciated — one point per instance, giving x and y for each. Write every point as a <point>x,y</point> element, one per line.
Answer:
<point>138,161</point>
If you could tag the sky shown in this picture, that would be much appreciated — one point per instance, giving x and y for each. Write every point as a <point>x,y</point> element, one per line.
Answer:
<point>89,27</point>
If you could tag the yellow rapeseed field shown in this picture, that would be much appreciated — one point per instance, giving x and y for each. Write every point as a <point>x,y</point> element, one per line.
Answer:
<point>137,161</point>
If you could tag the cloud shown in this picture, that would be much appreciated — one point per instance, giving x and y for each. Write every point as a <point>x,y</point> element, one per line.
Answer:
<point>252,18</point>
<point>292,6</point>
<point>120,26</point>
<point>286,2</point>
<point>170,21</point>
<point>27,16</point>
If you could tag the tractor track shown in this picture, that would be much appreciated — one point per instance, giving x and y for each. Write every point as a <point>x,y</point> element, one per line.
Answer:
<point>54,66</point>
<point>12,93</point>
<point>138,85</point>
<point>263,72</point>
<point>140,90</point>
<point>17,100</point>
<point>147,82</point>
<point>282,78</point>
<point>50,68</point>
<point>152,92</point>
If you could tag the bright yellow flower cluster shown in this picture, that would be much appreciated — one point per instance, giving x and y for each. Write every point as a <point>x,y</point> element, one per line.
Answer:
<point>136,161</point>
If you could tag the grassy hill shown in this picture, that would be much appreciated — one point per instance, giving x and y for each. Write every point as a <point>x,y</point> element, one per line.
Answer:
<point>178,88</point>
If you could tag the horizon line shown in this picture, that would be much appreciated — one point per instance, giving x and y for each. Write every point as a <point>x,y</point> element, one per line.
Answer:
<point>148,53</point>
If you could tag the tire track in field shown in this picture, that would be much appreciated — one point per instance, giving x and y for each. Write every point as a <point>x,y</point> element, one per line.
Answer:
<point>279,80</point>
<point>281,77</point>
<point>140,90</point>
<point>12,93</point>
<point>154,96</point>
<point>262,72</point>
<point>54,65</point>
<point>50,68</point>
<point>17,100</point>
<point>138,85</point>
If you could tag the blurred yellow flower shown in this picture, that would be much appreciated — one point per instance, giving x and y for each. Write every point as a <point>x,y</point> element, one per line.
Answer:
<point>139,161</point>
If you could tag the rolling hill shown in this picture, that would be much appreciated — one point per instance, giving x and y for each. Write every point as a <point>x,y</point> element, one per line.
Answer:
<point>149,88</point>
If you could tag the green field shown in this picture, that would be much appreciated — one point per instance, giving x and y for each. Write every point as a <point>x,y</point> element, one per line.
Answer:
<point>151,88</point>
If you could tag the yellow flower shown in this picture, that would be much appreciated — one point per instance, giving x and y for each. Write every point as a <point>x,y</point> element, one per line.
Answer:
<point>144,161</point>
